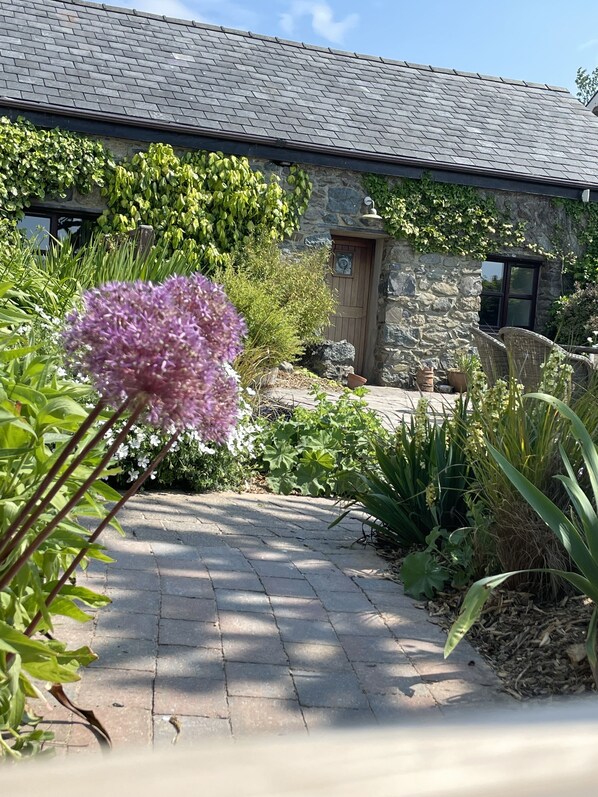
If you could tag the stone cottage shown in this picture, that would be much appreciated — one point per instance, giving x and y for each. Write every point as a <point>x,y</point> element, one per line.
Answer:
<point>132,78</point>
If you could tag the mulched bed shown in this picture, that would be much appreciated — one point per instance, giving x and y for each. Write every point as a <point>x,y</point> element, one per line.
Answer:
<point>537,648</point>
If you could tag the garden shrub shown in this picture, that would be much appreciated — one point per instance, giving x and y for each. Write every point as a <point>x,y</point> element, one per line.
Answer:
<point>296,281</point>
<point>575,317</point>
<point>271,335</point>
<point>191,464</point>
<point>321,451</point>
<point>528,435</point>
<point>420,481</point>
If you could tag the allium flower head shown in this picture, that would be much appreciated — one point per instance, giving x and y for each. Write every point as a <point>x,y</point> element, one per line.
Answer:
<point>168,345</point>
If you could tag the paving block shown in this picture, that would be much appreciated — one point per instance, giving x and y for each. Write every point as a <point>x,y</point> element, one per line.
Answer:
<point>388,678</point>
<point>290,587</point>
<point>133,601</point>
<point>254,649</point>
<point>259,680</point>
<point>188,632</point>
<point>122,653</point>
<point>242,601</point>
<point>276,569</point>
<point>396,708</point>
<point>307,631</point>
<point>298,608</point>
<point>320,658</point>
<point>179,607</point>
<point>133,579</point>
<point>373,649</point>
<point>191,730</point>
<point>253,715</point>
<point>200,697</point>
<point>332,582</point>
<point>115,688</point>
<point>229,579</point>
<point>189,662</point>
<point>329,690</point>
<point>358,623</point>
<point>325,719</point>
<point>123,624</point>
<point>344,601</point>
<point>248,624</point>
<point>128,727</point>
<point>187,586</point>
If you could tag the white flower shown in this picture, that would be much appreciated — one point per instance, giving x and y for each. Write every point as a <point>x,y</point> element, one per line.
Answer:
<point>154,440</point>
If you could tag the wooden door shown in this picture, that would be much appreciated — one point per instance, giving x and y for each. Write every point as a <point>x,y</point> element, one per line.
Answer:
<point>350,279</point>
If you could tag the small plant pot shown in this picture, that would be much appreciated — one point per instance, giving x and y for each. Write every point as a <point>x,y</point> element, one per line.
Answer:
<point>424,379</point>
<point>458,380</point>
<point>355,380</point>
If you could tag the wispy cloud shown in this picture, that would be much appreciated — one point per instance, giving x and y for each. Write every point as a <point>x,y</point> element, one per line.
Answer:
<point>219,12</point>
<point>322,20</point>
<point>588,44</point>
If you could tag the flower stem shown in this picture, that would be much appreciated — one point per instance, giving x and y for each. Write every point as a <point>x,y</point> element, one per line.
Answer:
<point>13,534</point>
<point>7,577</point>
<point>109,517</point>
<point>68,448</point>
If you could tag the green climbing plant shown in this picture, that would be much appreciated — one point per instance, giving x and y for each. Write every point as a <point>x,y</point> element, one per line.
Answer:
<point>442,217</point>
<point>37,163</point>
<point>583,268</point>
<point>203,203</point>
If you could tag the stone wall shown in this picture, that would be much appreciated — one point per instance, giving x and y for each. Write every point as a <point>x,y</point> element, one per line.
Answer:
<point>426,303</point>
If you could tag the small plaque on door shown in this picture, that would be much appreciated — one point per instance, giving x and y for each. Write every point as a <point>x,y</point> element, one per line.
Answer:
<point>343,264</point>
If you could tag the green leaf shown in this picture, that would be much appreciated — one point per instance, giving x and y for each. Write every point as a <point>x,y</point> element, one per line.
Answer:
<point>422,575</point>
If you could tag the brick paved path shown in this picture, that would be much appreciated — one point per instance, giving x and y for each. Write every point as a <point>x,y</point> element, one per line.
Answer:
<point>244,613</point>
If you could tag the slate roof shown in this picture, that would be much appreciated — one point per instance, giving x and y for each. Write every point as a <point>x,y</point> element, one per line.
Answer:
<point>106,60</point>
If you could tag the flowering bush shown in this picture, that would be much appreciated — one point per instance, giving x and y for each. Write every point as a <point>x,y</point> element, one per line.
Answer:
<point>192,463</point>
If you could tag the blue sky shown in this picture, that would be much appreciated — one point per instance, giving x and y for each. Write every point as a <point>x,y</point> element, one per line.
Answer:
<point>532,40</point>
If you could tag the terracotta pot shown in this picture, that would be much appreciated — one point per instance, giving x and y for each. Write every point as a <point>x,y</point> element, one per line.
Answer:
<point>424,379</point>
<point>355,380</point>
<point>458,380</point>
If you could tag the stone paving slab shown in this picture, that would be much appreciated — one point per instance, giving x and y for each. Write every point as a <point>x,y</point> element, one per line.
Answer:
<point>393,404</point>
<point>214,631</point>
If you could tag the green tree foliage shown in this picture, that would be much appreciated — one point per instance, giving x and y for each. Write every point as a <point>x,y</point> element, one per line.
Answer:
<point>587,84</point>
<point>203,203</point>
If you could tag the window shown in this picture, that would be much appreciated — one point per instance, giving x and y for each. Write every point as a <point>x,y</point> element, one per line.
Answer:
<point>43,226</point>
<point>509,289</point>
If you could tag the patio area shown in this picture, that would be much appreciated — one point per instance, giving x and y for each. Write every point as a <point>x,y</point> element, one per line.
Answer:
<point>239,614</point>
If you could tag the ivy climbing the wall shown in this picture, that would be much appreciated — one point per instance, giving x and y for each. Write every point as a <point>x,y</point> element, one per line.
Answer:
<point>203,203</point>
<point>582,268</point>
<point>443,218</point>
<point>36,163</point>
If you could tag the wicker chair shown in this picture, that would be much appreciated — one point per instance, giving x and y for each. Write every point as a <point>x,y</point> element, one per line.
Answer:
<point>493,355</point>
<point>528,351</point>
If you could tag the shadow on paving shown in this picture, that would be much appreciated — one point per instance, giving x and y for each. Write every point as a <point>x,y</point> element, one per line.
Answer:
<point>238,614</point>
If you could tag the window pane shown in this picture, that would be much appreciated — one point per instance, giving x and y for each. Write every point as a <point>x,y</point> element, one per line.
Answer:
<point>519,313</point>
<point>78,229</point>
<point>522,280</point>
<point>490,311</point>
<point>492,276</point>
<point>37,230</point>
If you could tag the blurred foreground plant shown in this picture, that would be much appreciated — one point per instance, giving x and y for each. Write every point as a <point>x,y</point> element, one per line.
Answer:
<point>156,351</point>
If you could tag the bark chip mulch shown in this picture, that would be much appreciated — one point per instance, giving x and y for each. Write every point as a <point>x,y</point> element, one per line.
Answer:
<point>536,649</point>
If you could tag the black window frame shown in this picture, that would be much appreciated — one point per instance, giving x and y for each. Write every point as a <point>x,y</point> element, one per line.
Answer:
<point>505,293</point>
<point>54,215</point>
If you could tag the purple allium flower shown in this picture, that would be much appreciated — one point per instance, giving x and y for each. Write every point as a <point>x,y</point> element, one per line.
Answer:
<point>167,344</point>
